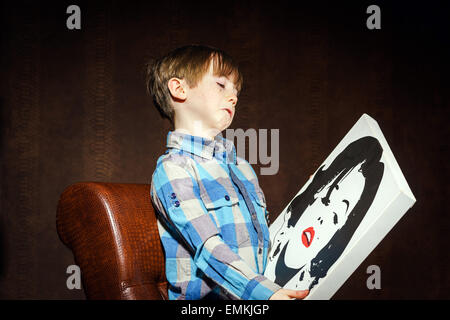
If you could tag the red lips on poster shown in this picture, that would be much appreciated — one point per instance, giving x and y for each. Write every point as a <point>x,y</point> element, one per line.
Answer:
<point>308,236</point>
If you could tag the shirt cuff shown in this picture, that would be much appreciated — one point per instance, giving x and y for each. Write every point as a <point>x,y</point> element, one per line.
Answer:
<point>260,288</point>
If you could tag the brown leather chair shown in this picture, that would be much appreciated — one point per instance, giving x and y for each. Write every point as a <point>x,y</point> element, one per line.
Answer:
<point>111,229</point>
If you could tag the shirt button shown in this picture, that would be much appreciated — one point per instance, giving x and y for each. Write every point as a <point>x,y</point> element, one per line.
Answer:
<point>177,203</point>
<point>227,197</point>
<point>173,195</point>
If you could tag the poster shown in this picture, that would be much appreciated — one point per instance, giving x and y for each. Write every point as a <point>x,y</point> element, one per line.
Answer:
<point>340,215</point>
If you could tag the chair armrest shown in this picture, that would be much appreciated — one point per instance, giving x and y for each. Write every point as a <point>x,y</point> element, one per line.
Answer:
<point>112,231</point>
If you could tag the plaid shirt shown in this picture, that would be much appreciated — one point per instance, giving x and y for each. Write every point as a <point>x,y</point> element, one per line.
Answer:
<point>212,220</point>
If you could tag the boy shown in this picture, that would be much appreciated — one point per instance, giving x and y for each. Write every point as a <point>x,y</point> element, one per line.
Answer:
<point>211,210</point>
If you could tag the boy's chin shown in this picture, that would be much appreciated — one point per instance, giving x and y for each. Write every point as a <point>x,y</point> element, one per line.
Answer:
<point>226,127</point>
<point>219,128</point>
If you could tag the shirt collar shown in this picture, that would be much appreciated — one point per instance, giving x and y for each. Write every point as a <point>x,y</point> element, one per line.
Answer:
<point>220,148</point>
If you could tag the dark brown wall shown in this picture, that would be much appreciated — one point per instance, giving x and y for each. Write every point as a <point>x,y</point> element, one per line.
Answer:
<point>74,108</point>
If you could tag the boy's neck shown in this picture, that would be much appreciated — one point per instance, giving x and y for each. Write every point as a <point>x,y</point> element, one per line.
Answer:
<point>196,128</point>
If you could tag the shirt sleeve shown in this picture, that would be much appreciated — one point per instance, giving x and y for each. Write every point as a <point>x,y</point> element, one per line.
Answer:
<point>179,196</point>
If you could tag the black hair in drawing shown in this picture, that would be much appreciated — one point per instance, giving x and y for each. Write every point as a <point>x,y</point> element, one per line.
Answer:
<point>366,151</point>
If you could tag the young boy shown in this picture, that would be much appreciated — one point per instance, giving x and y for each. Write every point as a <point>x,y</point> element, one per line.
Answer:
<point>211,209</point>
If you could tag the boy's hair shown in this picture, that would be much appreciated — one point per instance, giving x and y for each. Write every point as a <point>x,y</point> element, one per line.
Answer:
<point>190,63</point>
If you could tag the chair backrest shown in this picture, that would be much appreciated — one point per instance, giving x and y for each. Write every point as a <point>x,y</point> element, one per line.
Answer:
<point>112,231</point>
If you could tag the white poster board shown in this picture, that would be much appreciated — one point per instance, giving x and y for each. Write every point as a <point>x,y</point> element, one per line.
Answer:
<point>340,215</point>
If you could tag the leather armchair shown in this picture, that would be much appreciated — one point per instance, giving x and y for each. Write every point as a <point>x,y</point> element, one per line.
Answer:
<point>111,229</point>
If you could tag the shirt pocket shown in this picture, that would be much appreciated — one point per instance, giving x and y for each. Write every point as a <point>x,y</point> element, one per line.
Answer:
<point>217,197</point>
<point>258,197</point>
<point>263,213</point>
<point>221,203</point>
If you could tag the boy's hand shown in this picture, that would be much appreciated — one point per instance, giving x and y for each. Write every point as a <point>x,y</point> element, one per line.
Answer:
<point>286,294</point>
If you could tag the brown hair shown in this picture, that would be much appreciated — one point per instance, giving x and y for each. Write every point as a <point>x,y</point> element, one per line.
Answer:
<point>189,62</point>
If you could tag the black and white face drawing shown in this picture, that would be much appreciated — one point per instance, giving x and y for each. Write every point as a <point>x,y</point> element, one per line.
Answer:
<point>319,223</point>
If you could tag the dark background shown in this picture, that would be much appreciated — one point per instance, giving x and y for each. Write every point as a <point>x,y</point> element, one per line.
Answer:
<point>74,108</point>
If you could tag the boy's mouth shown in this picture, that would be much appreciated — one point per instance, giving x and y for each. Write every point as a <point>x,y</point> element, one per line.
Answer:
<point>230,111</point>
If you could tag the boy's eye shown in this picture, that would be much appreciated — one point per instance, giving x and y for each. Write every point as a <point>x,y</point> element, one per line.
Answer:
<point>221,85</point>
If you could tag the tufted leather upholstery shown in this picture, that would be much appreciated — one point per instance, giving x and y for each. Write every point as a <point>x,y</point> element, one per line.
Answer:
<point>111,229</point>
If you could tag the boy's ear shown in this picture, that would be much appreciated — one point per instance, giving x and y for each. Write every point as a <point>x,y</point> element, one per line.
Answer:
<point>177,88</point>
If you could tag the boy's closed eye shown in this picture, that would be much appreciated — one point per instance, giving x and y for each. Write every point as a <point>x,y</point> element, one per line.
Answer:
<point>221,85</point>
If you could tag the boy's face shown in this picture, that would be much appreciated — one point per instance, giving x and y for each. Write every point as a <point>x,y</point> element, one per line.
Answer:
<point>212,102</point>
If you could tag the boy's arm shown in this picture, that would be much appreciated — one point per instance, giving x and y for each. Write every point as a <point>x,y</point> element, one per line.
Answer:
<point>179,196</point>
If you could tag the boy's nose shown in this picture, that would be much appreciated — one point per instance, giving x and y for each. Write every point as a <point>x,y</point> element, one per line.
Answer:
<point>233,99</point>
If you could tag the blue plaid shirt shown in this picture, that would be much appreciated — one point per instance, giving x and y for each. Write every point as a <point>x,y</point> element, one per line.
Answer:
<point>212,220</point>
